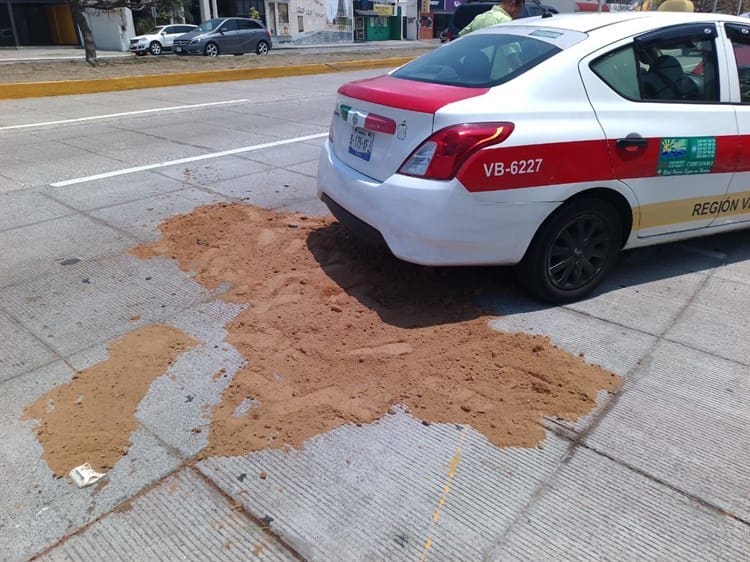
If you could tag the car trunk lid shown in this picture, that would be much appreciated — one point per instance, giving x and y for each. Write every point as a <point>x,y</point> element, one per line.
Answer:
<point>379,122</point>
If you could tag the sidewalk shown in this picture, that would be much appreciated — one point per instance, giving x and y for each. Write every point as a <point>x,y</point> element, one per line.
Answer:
<point>54,53</point>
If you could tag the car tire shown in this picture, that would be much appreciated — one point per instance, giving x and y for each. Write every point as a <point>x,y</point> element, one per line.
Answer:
<point>155,48</point>
<point>211,50</point>
<point>573,250</point>
<point>262,48</point>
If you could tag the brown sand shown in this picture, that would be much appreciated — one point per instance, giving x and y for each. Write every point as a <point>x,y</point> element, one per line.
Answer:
<point>91,418</point>
<point>334,333</point>
<point>337,333</point>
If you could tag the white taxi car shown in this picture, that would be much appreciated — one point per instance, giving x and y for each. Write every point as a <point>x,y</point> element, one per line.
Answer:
<point>549,142</point>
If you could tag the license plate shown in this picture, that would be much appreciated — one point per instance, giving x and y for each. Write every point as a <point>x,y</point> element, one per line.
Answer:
<point>178,49</point>
<point>360,143</point>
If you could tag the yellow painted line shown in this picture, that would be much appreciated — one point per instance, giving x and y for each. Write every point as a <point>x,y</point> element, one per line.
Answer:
<point>455,460</point>
<point>693,209</point>
<point>69,87</point>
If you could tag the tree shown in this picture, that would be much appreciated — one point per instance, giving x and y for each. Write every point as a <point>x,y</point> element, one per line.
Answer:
<point>78,7</point>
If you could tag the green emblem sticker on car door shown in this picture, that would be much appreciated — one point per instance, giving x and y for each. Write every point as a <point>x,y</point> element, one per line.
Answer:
<point>687,155</point>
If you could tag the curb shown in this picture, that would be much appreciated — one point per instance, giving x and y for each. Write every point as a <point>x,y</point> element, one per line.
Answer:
<point>70,87</point>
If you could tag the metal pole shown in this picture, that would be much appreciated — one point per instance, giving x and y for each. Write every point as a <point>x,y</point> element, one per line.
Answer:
<point>716,3</point>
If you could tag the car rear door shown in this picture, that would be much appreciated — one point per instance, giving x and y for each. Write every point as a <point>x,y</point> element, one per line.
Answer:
<point>249,33</point>
<point>662,103</point>
<point>736,209</point>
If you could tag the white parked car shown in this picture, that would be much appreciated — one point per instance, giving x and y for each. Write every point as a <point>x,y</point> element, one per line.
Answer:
<point>550,142</point>
<point>159,39</point>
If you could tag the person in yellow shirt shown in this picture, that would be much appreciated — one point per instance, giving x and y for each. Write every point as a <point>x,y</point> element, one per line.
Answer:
<point>505,10</point>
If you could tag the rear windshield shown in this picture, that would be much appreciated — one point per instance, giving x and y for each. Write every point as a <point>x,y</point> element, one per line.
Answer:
<point>480,60</point>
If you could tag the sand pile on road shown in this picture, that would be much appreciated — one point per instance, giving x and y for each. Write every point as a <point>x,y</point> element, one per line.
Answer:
<point>337,333</point>
<point>334,332</point>
<point>91,419</point>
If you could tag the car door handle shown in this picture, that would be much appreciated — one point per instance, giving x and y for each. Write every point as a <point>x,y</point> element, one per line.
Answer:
<point>632,141</point>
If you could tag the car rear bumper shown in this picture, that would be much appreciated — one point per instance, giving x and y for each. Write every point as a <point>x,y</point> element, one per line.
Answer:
<point>428,222</point>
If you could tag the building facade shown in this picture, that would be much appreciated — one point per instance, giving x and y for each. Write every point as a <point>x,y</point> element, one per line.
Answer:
<point>50,22</point>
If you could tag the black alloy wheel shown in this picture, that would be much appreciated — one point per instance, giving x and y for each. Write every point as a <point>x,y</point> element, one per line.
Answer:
<point>211,50</point>
<point>573,251</point>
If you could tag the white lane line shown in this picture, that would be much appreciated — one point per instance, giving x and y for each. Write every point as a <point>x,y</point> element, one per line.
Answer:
<point>125,114</point>
<point>186,160</point>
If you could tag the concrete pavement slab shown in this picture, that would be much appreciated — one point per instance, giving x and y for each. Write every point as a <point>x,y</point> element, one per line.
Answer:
<point>28,207</point>
<point>597,509</point>
<point>141,218</point>
<point>53,245</point>
<point>731,250</point>
<point>717,321</point>
<point>46,162</point>
<point>63,131</point>
<point>206,139</point>
<point>649,288</point>
<point>115,290</point>
<point>614,347</point>
<point>286,156</point>
<point>280,127</point>
<point>109,192</point>
<point>299,112</point>
<point>136,148</point>
<point>153,527</point>
<point>15,139</point>
<point>393,490</point>
<point>7,184</point>
<point>208,172</point>
<point>178,408</point>
<point>36,509</point>
<point>685,420</point>
<point>309,168</point>
<point>268,189</point>
<point>21,351</point>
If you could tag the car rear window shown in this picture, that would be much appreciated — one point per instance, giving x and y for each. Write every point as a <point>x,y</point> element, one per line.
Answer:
<point>480,60</point>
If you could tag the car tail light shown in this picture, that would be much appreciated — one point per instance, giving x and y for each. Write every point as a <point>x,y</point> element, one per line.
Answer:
<point>442,155</point>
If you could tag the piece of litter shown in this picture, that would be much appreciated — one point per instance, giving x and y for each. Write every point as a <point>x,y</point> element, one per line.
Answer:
<point>84,475</point>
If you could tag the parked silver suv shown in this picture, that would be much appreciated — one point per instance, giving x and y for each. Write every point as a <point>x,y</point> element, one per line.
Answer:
<point>224,36</point>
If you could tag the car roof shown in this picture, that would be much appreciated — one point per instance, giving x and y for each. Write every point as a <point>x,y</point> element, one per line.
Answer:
<point>589,22</point>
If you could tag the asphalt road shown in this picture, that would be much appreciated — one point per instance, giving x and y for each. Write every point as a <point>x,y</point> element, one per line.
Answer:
<point>661,471</point>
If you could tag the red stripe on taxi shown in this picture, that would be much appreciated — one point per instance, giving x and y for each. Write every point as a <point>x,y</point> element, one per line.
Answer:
<point>540,165</point>
<point>408,94</point>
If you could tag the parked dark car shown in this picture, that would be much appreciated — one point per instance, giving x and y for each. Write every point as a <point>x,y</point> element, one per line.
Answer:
<point>225,36</point>
<point>467,12</point>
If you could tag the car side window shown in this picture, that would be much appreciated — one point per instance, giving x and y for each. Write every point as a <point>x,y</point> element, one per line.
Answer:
<point>674,65</point>
<point>618,69</point>
<point>229,25</point>
<point>740,37</point>
<point>244,24</point>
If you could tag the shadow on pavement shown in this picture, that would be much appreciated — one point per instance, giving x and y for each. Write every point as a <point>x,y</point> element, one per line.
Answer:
<point>411,296</point>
